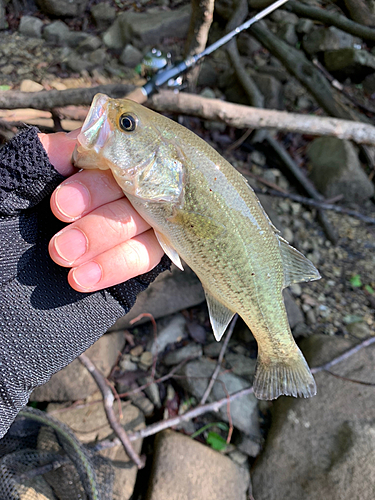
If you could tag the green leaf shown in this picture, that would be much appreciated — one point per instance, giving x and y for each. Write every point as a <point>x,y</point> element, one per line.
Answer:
<point>369,289</point>
<point>221,425</point>
<point>4,87</point>
<point>216,441</point>
<point>356,281</point>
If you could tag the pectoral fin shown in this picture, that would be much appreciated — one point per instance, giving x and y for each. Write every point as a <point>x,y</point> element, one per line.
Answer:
<point>169,250</point>
<point>295,265</point>
<point>220,316</point>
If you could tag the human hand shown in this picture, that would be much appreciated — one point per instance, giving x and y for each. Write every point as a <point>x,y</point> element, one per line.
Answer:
<point>106,242</point>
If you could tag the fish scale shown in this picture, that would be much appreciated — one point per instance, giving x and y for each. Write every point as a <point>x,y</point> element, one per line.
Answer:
<point>203,211</point>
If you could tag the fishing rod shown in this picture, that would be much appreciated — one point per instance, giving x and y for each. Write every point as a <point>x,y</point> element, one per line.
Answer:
<point>163,76</point>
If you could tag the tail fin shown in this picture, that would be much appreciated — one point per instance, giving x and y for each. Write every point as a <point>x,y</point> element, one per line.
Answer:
<point>291,377</point>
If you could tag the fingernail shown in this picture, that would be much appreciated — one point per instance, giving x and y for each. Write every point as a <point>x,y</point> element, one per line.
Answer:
<point>72,199</point>
<point>88,275</point>
<point>70,245</point>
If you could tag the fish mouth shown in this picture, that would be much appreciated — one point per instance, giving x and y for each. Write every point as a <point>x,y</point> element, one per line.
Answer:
<point>96,129</point>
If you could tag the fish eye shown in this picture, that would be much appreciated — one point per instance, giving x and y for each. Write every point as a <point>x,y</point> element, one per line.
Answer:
<point>127,122</point>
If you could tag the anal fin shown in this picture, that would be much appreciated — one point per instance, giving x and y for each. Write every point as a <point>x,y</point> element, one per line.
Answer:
<point>296,267</point>
<point>220,315</point>
<point>289,377</point>
<point>169,250</point>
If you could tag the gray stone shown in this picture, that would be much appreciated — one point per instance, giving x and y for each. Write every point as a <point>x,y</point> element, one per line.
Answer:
<point>90,424</point>
<point>207,75</point>
<point>305,26</point>
<point>295,315</point>
<point>336,169</point>
<point>244,411</point>
<point>169,293</point>
<point>174,332</point>
<point>78,63</point>
<point>247,44</point>
<point>103,14</point>
<point>86,43</point>
<point>3,22</point>
<point>327,39</point>
<point>152,391</point>
<point>131,56</point>
<point>57,33</point>
<point>241,365</point>
<point>369,84</point>
<point>350,62</point>
<point>323,447</point>
<point>288,33</point>
<point>248,446</point>
<point>31,26</point>
<point>271,89</point>
<point>359,330</point>
<point>189,351</point>
<point>186,469</point>
<point>74,381</point>
<point>69,8</point>
<point>147,28</point>
<point>283,17</point>
<point>212,350</point>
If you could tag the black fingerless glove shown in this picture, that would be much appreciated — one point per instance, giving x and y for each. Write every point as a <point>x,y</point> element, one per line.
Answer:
<point>45,324</point>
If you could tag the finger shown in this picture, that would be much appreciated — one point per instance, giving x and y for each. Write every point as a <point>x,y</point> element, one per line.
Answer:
<point>59,148</point>
<point>127,260</point>
<point>97,232</point>
<point>83,192</point>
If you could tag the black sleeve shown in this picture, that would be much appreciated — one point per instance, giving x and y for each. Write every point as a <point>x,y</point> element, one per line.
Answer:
<point>45,324</point>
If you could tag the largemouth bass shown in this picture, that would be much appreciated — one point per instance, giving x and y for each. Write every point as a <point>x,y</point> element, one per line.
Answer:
<point>203,211</point>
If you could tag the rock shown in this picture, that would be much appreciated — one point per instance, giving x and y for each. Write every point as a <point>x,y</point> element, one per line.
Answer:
<point>126,364</point>
<point>63,8</point>
<point>82,44</point>
<point>295,315</point>
<point>74,381</point>
<point>350,62</point>
<point>30,86</point>
<point>305,26</point>
<point>152,391</point>
<point>90,424</point>
<point>174,332</point>
<point>248,446</point>
<point>57,33</point>
<point>247,44</point>
<point>288,33</point>
<point>207,75</point>
<point>3,22</point>
<point>208,93</point>
<point>271,89</point>
<point>146,359</point>
<point>189,351</point>
<point>359,330</point>
<point>369,84</point>
<point>184,468</point>
<point>31,26</point>
<point>337,170</point>
<point>241,365</point>
<point>147,28</point>
<point>78,63</point>
<point>326,39</point>
<point>283,17</point>
<point>131,56</point>
<point>244,411</point>
<point>323,447</point>
<point>212,350</point>
<point>169,293</point>
<point>103,14</point>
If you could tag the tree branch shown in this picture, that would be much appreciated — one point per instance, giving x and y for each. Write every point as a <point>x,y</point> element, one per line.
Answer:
<point>108,400</point>
<point>240,116</point>
<point>331,18</point>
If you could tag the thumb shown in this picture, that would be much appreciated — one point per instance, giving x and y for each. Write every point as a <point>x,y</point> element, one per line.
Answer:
<point>59,148</point>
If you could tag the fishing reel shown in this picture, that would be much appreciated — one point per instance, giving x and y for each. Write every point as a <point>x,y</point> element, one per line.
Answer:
<point>155,62</point>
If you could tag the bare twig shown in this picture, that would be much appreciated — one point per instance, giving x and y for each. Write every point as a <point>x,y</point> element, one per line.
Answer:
<point>316,204</point>
<point>108,400</point>
<point>49,99</point>
<point>219,361</point>
<point>240,116</point>
<point>345,355</point>
<point>155,331</point>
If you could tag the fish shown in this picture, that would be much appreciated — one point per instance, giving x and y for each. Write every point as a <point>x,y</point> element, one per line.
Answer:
<point>204,212</point>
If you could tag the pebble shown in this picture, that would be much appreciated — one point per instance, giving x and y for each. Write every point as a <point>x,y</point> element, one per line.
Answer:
<point>126,364</point>
<point>136,351</point>
<point>146,359</point>
<point>296,289</point>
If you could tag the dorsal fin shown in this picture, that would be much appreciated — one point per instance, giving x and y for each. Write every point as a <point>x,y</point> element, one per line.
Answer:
<point>220,315</point>
<point>295,265</point>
